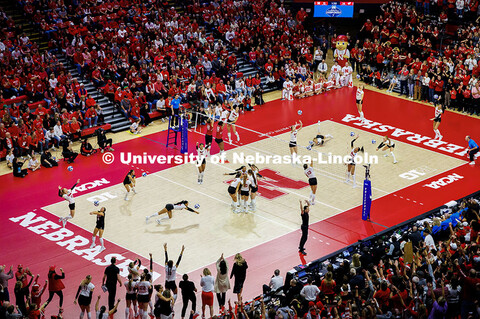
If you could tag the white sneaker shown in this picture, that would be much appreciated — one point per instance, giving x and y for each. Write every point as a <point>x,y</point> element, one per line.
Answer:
<point>440,137</point>
<point>347,181</point>
<point>395,162</point>
<point>385,155</point>
<point>64,222</point>
<point>92,245</point>
<point>147,219</point>
<point>102,248</point>
<point>472,163</point>
<point>159,222</point>
<point>134,191</point>
<point>312,202</point>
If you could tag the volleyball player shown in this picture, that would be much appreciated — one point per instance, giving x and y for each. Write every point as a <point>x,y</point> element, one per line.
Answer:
<point>233,190</point>
<point>84,295</point>
<point>387,145</point>
<point>245,190</point>
<point>359,101</point>
<point>129,182</point>
<point>99,227</point>
<point>293,140</point>
<point>253,185</point>
<point>168,209</point>
<point>232,119</point>
<point>171,271</point>
<point>242,169</point>
<point>143,296</point>
<point>202,153</point>
<point>209,132</point>
<point>312,181</point>
<point>131,296</point>
<point>437,120</point>
<point>351,162</point>
<point>67,194</point>
<point>219,137</point>
<point>320,139</point>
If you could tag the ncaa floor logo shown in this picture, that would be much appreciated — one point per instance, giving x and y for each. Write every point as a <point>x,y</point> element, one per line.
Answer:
<point>444,181</point>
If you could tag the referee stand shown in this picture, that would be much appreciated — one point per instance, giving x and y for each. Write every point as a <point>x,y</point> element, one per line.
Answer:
<point>172,133</point>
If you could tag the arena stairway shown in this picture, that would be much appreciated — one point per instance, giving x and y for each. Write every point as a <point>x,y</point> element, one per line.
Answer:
<point>112,116</point>
<point>21,22</point>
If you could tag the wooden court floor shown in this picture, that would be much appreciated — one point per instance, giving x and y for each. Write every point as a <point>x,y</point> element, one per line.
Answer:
<point>217,230</point>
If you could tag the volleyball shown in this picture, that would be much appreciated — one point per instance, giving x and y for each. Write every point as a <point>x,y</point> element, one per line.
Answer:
<point>299,112</point>
<point>70,168</point>
<point>197,206</point>
<point>144,174</point>
<point>373,141</point>
<point>358,76</point>
<point>96,203</point>
<point>309,147</point>
<point>352,134</point>
<point>435,97</point>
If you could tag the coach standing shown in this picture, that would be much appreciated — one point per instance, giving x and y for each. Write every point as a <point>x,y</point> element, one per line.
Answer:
<point>304,213</point>
<point>472,149</point>
<point>175,104</point>
<point>110,278</point>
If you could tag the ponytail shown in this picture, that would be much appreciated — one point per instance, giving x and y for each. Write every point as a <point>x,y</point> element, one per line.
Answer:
<point>181,202</point>
<point>102,311</point>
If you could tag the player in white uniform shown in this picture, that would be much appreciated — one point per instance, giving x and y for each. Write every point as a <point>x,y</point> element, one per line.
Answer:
<point>168,209</point>
<point>436,122</point>
<point>351,163</point>
<point>171,271</point>
<point>245,191</point>
<point>335,73</point>
<point>359,101</point>
<point>224,115</point>
<point>312,181</point>
<point>320,139</point>
<point>347,75</point>
<point>287,91</point>
<point>233,190</point>
<point>387,145</point>
<point>143,288</point>
<point>67,194</point>
<point>84,295</point>
<point>293,139</point>
<point>202,154</point>
<point>232,119</point>
<point>131,296</point>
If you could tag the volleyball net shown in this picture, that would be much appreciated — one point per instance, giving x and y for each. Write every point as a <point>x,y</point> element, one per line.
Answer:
<point>272,148</point>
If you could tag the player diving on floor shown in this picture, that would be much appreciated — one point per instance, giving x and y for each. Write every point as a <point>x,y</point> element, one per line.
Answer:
<point>168,209</point>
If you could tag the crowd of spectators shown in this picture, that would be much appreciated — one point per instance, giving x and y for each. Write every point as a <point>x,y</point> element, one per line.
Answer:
<point>426,269</point>
<point>427,48</point>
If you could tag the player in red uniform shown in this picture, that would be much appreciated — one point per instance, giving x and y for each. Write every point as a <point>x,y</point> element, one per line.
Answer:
<point>209,132</point>
<point>219,136</point>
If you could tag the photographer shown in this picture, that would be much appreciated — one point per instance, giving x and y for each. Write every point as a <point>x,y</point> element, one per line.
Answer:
<point>103,142</point>
<point>68,154</point>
